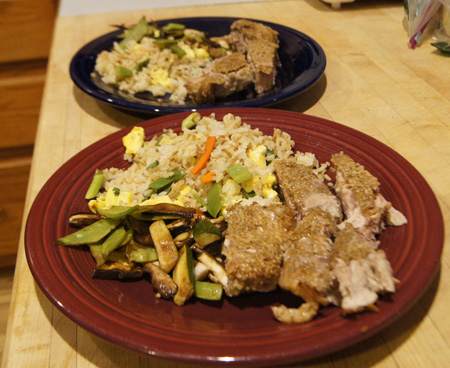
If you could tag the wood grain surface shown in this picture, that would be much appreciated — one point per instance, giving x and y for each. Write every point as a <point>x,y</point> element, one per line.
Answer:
<point>373,82</point>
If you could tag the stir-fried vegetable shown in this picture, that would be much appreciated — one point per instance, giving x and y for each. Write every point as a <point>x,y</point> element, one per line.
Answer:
<point>205,233</point>
<point>116,212</point>
<point>165,246</point>
<point>208,177</point>
<point>169,27</point>
<point>140,253</point>
<point>191,120</point>
<point>210,143</point>
<point>96,185</point>
<point>239,173</point>
<point>165,184</point>
<point>114,240</point>
<point>136,33</point>
<point>215,200</point>
<point>176,245</point>
<point>122,72</point>
<point>167,256</point>
<point>208,290</point>
<point>90,234</point>
<point>183,276</point>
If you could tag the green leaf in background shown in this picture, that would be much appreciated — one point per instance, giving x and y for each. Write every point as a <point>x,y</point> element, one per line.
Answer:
<point>443,47</point>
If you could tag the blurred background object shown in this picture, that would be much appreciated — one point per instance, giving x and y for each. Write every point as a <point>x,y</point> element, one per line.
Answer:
<point>26,27</point>
<point>336,4</point>
<point>428,19</point>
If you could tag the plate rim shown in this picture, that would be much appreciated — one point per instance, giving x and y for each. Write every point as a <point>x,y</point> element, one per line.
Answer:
<point>91,89</point>
<point>268,114</point>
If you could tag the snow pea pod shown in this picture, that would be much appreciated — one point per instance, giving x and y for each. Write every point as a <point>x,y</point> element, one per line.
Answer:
<point>114,240</point>
<point>214,199</point>
<point>96,184</point>
<point>90,234</point>
<point>116,212</point>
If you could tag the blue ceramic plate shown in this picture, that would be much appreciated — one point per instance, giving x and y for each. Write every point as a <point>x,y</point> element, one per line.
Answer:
<point>303,62</point>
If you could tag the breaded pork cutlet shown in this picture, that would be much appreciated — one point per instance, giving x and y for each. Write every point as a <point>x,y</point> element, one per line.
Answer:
<point>253,247</point>
<point>364,207</point>
<point>303,190</point>
<point>306,270</point>
<point>361,271</point>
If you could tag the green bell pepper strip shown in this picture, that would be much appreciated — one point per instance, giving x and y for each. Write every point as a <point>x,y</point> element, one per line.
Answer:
<point>90,234</point>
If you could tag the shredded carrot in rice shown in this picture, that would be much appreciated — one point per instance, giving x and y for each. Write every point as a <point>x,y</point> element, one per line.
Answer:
<point>208,177</point>
<point>210,143</point>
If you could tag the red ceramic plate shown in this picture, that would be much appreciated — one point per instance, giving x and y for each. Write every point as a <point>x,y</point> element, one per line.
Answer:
<point>239,330</point>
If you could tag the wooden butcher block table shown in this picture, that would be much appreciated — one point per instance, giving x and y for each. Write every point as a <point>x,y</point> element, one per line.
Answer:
<point>373,83</point>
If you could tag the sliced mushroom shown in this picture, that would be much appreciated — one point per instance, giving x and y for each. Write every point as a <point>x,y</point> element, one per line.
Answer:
<point>117,271</point>
<point>161,281</point>
<point>83,219</point>
<point>178,227</point>
<point>163,211</point>
<point>220,222</point>
<point>144,239</point>
<point>139,226</point>
<point>214,266</point>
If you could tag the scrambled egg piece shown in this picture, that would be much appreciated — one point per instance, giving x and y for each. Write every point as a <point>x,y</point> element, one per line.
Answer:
<point>201,53</point>
<point>155,199</point>
<point>190,54</point>
<point>250,184</point>
<point>268,182</point>
<point>259,156</point>
<point>183,192</point>
<point>113,197</point>
<point>160,77</point>
<point>134,140</point>
<point>229,190</point>
<point>165,140</point>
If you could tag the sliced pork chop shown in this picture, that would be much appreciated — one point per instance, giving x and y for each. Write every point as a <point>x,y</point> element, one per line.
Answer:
<point>243,31</point>
<point>260,45</point>
<point>263,58</point>
<point>364,207</point>
<point>253,246</point>
<point>223,77</point>
<point>303,190</point>
<point>306,270</point>
<point>361,271</point>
